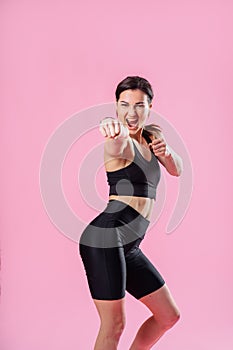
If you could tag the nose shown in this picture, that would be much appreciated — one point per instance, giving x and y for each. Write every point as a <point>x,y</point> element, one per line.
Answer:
<point>131,111</point>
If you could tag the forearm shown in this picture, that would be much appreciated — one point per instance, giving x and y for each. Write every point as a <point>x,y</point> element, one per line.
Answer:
<point>172,162</point>
<point>115,146</point>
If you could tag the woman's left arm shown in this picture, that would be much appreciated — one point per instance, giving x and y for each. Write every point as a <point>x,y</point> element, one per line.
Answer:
<point>166,155</point>
<point>171,160</point>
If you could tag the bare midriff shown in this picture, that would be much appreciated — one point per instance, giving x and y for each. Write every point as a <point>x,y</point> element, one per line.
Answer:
<point>142,204</point>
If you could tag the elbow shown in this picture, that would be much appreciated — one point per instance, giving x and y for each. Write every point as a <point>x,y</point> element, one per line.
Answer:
<point>178,173</point>
<point>174,172</point>
<point>179,170</point>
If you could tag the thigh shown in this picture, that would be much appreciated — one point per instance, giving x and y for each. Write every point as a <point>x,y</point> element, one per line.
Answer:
<point>105,270</point>
<point>111,312</point>
<point>162,304</point>
<point>142,276</point>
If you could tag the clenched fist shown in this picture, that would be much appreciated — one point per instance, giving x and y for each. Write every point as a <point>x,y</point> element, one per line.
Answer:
<point>160,147</point>
<point>113,128</point>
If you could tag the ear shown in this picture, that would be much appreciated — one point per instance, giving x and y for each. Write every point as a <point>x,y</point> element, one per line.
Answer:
<point>148,115</point>
<point>150,105</point>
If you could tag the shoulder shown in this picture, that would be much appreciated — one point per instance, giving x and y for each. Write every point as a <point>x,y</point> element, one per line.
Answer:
<point>154,131</point>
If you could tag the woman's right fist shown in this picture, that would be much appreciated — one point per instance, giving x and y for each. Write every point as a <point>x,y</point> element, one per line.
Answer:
<point>113,128</point>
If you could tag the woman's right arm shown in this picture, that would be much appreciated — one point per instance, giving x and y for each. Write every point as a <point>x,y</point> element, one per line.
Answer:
<point>116,134</point>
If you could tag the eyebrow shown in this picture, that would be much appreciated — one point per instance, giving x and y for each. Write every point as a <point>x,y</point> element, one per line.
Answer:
<point>135,103</point>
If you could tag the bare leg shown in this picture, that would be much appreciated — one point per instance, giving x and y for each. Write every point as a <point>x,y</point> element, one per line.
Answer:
<point>165,315</point>
<point>112,317</point>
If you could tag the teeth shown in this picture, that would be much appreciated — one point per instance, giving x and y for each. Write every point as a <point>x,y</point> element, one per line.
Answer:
<point>132,121</point>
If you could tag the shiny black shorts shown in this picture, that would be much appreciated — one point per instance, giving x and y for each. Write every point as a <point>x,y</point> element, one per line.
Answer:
<point>113,261</point>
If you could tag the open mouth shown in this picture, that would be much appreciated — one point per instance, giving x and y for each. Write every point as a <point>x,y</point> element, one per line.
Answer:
<point>132,123</point>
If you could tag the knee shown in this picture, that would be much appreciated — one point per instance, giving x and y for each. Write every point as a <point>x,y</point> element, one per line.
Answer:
<point>170,321</point>
<point>114,329</point>
<point>119,327</point>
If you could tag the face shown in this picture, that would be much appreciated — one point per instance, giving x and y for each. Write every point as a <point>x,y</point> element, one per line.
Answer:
<point>133,109</point>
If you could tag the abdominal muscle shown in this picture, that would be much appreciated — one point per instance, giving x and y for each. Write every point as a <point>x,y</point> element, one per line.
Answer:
<point>143,205</point>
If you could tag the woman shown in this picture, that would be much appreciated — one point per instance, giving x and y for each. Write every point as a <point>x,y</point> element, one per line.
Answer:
<point>109,246</point>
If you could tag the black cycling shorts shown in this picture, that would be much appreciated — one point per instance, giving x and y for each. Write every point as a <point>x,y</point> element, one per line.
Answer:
<point>113,261</point>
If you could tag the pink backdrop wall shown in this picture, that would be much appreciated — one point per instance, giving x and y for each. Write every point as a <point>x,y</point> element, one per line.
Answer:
<point>59,57</point>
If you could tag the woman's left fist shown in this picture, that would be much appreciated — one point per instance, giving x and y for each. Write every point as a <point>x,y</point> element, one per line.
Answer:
<point>159,147</point>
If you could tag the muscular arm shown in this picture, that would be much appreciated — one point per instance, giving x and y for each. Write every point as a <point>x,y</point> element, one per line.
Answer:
<point>117,137</point>
<point>168,157</point>
<point>172,162</point>
<point>115,147</point>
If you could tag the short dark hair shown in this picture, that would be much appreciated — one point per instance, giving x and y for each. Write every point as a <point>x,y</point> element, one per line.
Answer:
<point>133,83</point>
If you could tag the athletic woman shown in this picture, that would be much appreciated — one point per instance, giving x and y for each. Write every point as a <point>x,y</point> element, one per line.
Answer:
<point>109,245</point>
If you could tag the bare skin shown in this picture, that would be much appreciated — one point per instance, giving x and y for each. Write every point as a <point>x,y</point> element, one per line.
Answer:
<point>165,314</point>
<point>133,110</point>
<point>119,151</point>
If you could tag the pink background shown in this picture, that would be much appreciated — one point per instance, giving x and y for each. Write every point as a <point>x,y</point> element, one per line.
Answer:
<point>59,57</point>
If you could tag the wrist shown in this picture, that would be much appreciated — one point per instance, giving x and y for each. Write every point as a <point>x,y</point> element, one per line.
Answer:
<point>123,134</point>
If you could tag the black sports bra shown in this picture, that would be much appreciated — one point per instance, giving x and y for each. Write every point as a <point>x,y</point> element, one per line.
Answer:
<point>140,178</point>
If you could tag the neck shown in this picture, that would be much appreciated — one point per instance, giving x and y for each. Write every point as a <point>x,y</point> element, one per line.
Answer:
<point>138,136</point>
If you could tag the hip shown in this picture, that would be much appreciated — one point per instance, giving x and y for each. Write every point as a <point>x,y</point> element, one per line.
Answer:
<point>118,225</point>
